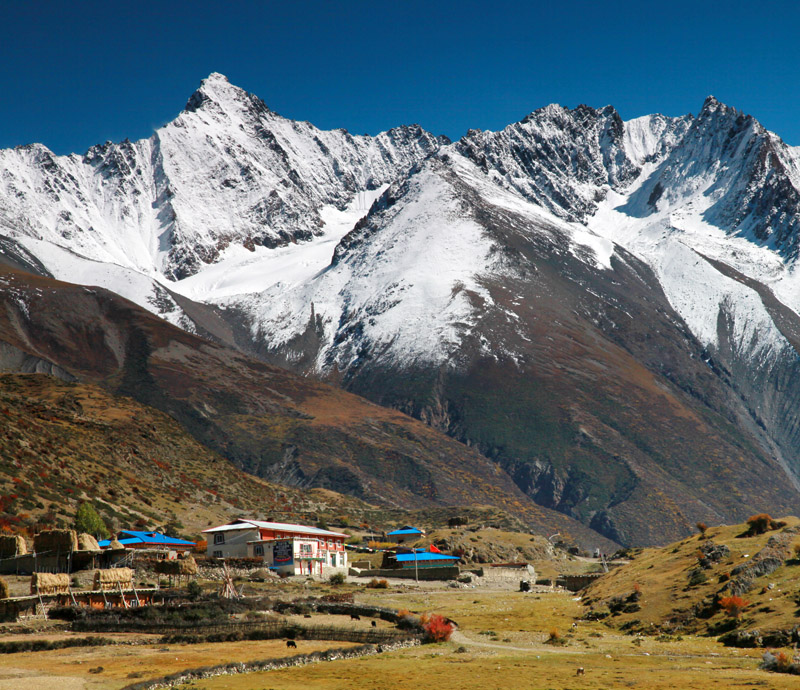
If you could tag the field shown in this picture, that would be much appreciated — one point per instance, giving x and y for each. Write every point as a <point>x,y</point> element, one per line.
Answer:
<point>502,641</point>
<point>517,654</point>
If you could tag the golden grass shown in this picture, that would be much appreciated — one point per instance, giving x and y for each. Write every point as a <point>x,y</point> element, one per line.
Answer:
<point>516,656</point>
<point>662,575</point>
<point>123,665</point>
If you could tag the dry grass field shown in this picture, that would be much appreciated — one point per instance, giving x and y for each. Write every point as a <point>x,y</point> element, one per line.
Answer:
<point>121,665</point>
<point>518,656</point>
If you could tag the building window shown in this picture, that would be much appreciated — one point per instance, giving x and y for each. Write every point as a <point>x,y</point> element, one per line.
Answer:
<point>218,554</point>
<point>219,538</point>
<point>333,560</point>
<point>259,550</point>
<point>305,549</point>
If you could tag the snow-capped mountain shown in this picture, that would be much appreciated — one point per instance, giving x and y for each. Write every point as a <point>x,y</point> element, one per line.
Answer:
<point>607,309</point>
<point>227,175</point>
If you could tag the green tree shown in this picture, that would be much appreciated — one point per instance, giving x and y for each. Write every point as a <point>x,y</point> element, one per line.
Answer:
<point>87,520</point>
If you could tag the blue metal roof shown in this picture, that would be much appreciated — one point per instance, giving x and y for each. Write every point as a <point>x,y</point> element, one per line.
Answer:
<point>155,538</point>
<point>405,530</point>
<point>423,556</point>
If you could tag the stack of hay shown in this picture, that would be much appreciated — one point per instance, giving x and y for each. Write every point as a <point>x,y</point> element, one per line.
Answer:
<point>182,567</point>
<point>3,589</point>
<point>116,545</point>
<point>49,583</point>
<point>86,542</point>
<point>12,545</point>
<point>58,540</point>
<point>114,578</point>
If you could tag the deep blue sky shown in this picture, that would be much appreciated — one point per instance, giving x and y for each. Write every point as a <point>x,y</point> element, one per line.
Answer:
<point>78,73</point>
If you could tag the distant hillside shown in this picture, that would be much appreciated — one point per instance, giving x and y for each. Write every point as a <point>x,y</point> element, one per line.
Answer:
<point>62,443</point>
<point>265,420</point>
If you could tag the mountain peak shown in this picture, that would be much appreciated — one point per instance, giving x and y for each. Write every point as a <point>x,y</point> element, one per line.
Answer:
<point>712,105</point>
<point>215,88</point>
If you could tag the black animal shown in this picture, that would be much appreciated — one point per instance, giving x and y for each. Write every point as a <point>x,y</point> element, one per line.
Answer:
<point>291,643</point>
<point>379,649</point>
<point>355,617</point>
<point>306,615</point>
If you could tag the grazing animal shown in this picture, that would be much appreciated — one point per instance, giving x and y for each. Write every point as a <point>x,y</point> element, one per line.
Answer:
<point>374,624</point>
<point>291,643</point>
<point>306,615</point>
<point>355,617</point>
<point>379,649</point>
<point>574,625</point>
<point>580,671</point>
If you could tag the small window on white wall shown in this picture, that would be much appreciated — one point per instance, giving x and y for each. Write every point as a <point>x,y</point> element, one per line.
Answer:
<point>219,538</point>
<point>259,550</point>
<point>218,554</point>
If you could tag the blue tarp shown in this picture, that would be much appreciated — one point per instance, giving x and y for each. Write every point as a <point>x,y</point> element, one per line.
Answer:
<point>412,530</point>
<point>127,537</point>
<point>420,556</point>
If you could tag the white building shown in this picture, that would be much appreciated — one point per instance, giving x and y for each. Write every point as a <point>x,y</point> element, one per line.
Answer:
<point>285,548</point>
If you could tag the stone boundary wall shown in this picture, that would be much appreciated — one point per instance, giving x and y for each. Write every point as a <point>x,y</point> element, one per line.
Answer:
<point>184,677</point>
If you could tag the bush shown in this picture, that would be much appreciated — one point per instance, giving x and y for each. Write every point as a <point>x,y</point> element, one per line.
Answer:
<point>780,663</point>
<point>337,579</point>
<point>761,523</point>
<point>697,577</point>
<point>702,527</point>
<point>437,628</point>
<point>375,583</point>
<point>194,590</point>
<point>733,606</point>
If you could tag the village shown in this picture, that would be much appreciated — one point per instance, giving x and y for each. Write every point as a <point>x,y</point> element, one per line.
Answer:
<point>255,603</point>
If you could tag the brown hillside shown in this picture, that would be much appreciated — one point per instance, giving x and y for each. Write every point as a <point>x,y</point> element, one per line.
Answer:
<point>62,443</point>
<point>267,421</point>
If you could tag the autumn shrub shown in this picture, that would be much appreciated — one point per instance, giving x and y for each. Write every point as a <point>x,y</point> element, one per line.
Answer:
<point>381,544</point>
<point>555,638</point>
<point>733,605</point>
<point>761,523</point>
<point>437,628</point>
<point>702,527</point>
<point>375,583</point>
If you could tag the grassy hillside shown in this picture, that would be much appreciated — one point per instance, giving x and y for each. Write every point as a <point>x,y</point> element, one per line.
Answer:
<point>680,588</point>
<point>62,443</point>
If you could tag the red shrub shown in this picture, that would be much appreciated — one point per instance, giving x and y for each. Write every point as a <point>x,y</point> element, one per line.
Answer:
<point>437,628</point>
<point>733,605</point>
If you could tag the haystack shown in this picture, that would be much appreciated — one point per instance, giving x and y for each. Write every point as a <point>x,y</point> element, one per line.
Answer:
<point>182,567</point>
<point>58,540</point>
<point>86,542</point>
<point>3,589</point>
<point>113,578</point>
<point>12,545</point>
<point>116,545</point>
<point>49,583</point>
